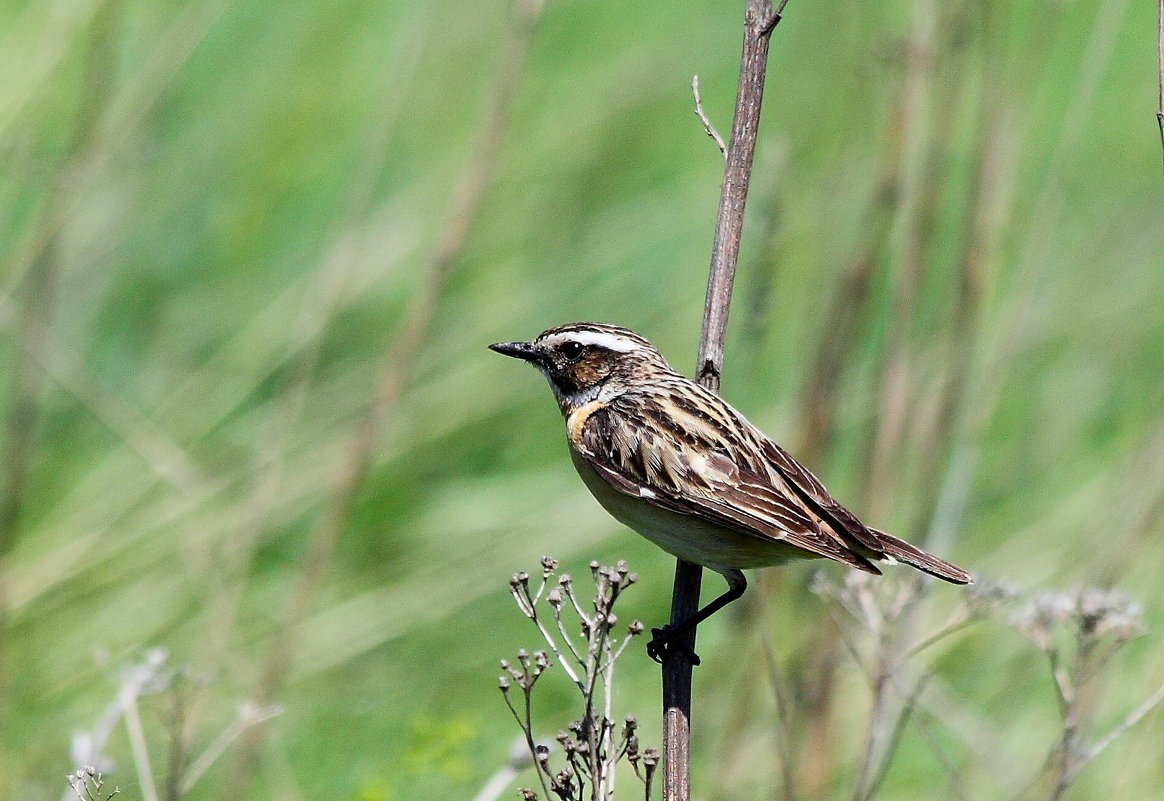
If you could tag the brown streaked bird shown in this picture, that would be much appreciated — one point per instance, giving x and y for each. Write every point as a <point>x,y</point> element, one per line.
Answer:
<point>679,465</point>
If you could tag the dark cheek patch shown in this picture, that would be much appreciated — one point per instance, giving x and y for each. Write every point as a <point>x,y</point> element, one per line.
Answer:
<point>589,370</point>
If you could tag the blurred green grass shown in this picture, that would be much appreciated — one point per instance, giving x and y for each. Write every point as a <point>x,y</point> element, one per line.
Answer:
<point>241,202</point>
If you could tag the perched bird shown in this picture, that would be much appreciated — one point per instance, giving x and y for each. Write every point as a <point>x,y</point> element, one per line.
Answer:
<point>676,463</point>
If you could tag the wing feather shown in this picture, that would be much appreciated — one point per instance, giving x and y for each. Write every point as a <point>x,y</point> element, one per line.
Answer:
<point>690,470</point>
<point>813,494</point>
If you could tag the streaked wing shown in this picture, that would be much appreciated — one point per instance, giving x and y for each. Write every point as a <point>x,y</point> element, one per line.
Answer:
<point>813,494</point>
<point>682,451</point>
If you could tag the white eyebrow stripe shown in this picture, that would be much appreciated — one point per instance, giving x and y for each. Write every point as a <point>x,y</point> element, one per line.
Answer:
<point>600,338</point>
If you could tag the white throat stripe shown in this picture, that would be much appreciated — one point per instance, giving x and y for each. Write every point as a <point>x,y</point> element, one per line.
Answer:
<point>600,338</point>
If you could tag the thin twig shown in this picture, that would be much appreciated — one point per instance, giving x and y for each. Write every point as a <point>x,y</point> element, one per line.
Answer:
<point>1131,720</point>
<point>248,716</point>
<point>622,647</point>
<point>519,758</point>
<point>958,622</point>
<point>912,702</point>
<point>908,705</point>
<point>707,126</point>
<point>165,456</point>
<point>523,724</point>
<point>568,589</point>
<point>567,639</point>
<point>931,740</point>
<point>783,753</point>
<point>137,742</point>
<point>606,669</point>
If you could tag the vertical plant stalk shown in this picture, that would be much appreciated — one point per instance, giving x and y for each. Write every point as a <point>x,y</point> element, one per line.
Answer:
<point>393,374</point>
<point>1160,65</point>
<point>27,374</point>
<point>227,583</point>
<point>759,20</point>
<point>897,379</point>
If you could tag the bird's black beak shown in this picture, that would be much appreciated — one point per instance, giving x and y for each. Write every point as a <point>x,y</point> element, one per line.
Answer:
<point>518,350</point>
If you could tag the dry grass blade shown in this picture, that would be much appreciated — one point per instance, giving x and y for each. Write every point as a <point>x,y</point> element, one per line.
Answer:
<point>393,374</point>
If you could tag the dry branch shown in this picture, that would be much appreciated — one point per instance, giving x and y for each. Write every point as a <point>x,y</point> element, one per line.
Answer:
<point>759,20</point>
<point>707,126</point>
<point>1160,64</point>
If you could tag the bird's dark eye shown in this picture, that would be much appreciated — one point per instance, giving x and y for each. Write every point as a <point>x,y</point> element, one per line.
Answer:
<point>573,351</point>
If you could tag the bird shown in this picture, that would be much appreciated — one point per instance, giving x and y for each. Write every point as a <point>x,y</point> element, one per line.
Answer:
<point>673,461</point>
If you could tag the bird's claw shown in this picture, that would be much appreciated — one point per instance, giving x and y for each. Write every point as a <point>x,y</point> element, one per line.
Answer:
<point>662,640</point>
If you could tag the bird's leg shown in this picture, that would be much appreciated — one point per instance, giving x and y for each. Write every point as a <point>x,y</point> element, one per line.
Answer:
<point>664,637</point>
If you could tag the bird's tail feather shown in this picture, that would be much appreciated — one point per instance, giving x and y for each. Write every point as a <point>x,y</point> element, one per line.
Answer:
<point>925,562</point>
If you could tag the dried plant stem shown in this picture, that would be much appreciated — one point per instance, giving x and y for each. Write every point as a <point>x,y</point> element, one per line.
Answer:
<point>783,751</point>
<point>1160,65</point>
<point>137,742</point>
<point>248,716</point>
<point>27,373</point>
<point>394,373</point>
<point>707,126</point>
<point>915,186</point>
<point>759,20</point>
<point>1134,717</point>
<point>227,581</point>
<point>119,118</point>
<point>590,749</point>
<point>836,346</point>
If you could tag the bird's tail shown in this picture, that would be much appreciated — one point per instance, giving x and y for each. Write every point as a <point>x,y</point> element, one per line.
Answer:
<point>902,551</point>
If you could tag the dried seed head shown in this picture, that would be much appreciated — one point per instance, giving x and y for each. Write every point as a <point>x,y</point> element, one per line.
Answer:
<point>986,596</point>
<point>822,585</point>
<point>549,565</point>
<point>1104,611</point>
<point>636,627</point>
<point>564,779</point>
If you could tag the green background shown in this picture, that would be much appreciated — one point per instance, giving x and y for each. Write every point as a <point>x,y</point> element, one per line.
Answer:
<point>217,220</point>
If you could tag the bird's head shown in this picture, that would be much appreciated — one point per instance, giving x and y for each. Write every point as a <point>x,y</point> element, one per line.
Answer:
<point>588,361</point>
